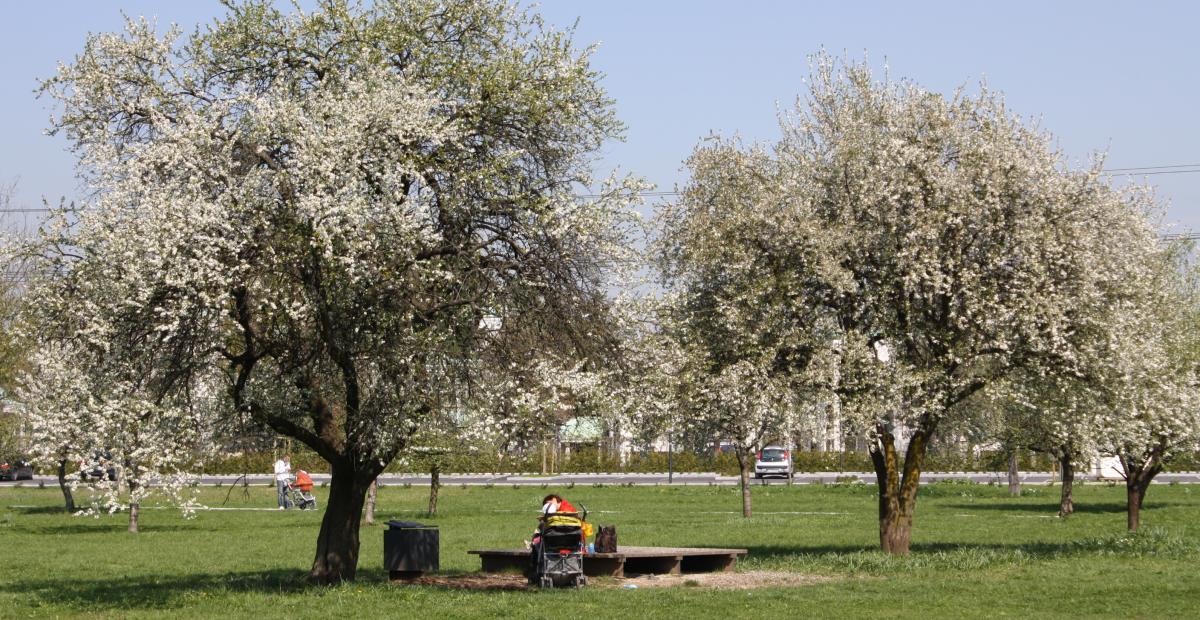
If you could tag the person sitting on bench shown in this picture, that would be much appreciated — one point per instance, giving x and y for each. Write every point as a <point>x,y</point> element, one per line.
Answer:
<point>553,503</point>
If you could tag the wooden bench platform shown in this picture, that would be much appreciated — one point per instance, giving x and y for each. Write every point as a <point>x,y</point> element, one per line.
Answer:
<point>627,560</point>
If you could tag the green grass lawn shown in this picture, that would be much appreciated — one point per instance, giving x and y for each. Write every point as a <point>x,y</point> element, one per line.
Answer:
<point>976,553</point>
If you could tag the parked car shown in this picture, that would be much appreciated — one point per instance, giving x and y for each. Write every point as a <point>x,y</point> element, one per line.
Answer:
<point>16,470</point>
<point>773,461</point>
<point>100,466</point>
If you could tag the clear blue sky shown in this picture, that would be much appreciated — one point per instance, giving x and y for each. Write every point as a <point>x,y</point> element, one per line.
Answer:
<point>1106,76</point>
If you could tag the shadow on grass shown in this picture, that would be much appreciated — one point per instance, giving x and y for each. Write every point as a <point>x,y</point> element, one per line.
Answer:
<point>163,592</point>
<point>842,557</point>
<point>771,552</point>
<point>88,526</point>
<point>1052,509</point>
<point>762,552</point>
<point>402,515</point>
<point>1152,541</point>
<point>38,510</point>
<point>1031,549</point>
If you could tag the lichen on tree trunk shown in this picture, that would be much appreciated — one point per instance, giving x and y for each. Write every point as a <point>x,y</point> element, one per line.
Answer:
<point>898,483</point>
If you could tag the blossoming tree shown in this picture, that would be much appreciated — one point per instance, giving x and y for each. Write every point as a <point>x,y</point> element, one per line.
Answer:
<point>1150,383</point>
<point>741,345</point>
<point>80,404</point>
<point>322,206</point>
<point>936,239</point>
<point>1056,413</point>
<point>1122,382</point>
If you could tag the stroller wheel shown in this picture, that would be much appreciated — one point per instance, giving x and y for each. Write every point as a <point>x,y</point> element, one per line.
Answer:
<point>547,582</point>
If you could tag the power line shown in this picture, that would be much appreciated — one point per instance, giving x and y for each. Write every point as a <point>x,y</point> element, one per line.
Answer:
<point>1152,167</point>
<point>1146,174</point>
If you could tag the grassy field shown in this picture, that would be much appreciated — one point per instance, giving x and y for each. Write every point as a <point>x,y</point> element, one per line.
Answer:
<point>976,553</point>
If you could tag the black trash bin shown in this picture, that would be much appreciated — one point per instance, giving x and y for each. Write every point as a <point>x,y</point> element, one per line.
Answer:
<point>410,549</point>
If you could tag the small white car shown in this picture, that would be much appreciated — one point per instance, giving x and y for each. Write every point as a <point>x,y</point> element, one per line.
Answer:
<point>773,461</point>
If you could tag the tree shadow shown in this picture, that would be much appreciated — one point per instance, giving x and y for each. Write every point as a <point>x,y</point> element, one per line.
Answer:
<point>404,515</point>
<point>110,528</point>
<point>1052,509</point>
<point>38,510</point>
<point>1031,549</point>
<point>152,592</point>
<point>784,551</point>
<point>925,550</point>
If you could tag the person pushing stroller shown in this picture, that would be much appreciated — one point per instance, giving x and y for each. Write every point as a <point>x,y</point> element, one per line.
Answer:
<point>283,475</point>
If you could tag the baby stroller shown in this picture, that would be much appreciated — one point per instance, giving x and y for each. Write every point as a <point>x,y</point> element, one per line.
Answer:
<point>558,551</point>
<point>299,493</point>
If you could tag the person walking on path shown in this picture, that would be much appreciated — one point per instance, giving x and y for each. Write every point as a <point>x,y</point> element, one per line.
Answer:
<point>283,474</point>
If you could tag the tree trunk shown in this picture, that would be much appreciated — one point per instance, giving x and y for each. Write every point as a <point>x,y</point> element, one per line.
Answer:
<point>1135,494</point>
<point>68,498</point>
<point>135,507</point>
<point>898,485</point>
<point>1014,473</point>
<point>1139,473</point>
<point>337,543</point>
<point>435,483</point>
<point>556,457</point>
<point>791,463</point>
<point>744,464</point>
<point>1066,505</point>
<point>371,492</point>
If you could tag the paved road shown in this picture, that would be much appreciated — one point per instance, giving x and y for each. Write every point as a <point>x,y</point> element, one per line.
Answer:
<point>703,479</point>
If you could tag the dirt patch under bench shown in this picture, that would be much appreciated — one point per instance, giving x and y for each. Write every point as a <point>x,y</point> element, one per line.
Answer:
<point>720,581</point>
